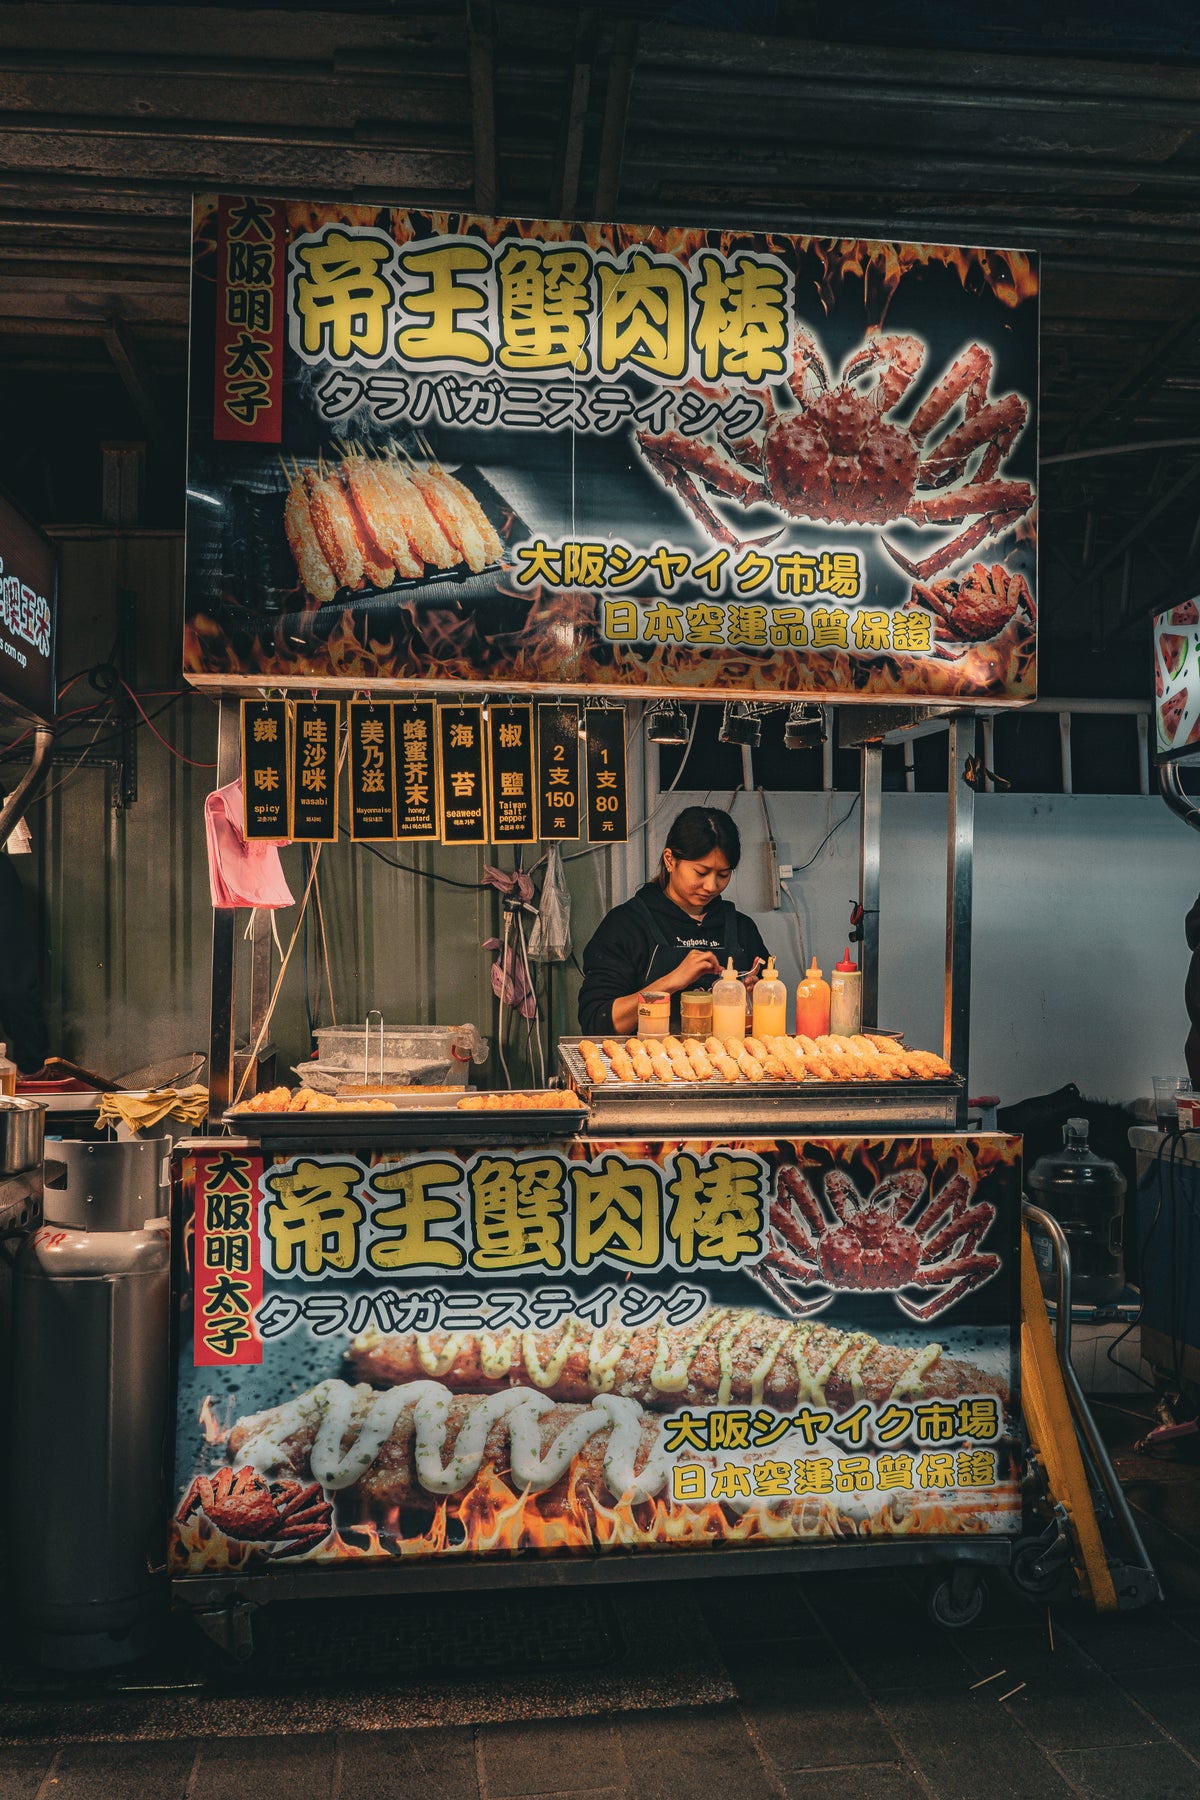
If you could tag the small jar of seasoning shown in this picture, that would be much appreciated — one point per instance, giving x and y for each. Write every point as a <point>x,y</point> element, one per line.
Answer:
<point>696,1012</point>
<point>654,1014</point>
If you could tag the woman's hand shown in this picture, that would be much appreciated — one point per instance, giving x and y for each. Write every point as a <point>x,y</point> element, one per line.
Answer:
<point>694,967</point>
<point>751,980</point>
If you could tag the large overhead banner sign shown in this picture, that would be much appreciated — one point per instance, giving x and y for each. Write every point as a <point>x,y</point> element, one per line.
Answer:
<point>438,450</point>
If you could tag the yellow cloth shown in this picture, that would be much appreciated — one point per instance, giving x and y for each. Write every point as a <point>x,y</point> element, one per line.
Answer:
<point>141,1112</point>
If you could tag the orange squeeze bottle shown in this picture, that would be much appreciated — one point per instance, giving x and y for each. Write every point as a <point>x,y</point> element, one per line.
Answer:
<point>812,1003</point>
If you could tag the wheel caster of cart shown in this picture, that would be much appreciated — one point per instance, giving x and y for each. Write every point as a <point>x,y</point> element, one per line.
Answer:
<point>1039,1571</point>
<point>955,1597</point>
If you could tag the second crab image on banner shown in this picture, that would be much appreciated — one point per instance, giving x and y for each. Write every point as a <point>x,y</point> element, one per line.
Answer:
<point>589,1345</point>
<point>446,449</point>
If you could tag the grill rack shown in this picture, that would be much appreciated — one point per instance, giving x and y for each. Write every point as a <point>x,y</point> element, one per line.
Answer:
<point>758,1108</point>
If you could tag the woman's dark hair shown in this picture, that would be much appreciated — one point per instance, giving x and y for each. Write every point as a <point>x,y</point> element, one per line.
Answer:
<point>695,833</point>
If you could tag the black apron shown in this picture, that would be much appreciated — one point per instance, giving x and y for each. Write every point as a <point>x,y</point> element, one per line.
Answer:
<point>666,954</point>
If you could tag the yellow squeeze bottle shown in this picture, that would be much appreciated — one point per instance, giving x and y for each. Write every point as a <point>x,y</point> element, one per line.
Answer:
<point>812,1004</point>
<point>729,1005</point>
<point>769,1000</point>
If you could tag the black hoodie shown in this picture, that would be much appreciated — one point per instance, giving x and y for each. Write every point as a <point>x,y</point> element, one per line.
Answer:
<point>644,939</point>
<point>1191,994</point>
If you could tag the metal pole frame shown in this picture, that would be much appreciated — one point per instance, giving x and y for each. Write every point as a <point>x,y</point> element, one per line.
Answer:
<point>869,848</point>
<point>960,848</point>
<point>222,988</point>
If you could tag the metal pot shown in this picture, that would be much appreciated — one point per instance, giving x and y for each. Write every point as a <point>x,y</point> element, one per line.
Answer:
<point>22,1125</point>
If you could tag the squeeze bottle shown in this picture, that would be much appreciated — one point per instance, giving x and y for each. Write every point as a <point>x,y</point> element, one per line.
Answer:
<point>769,1001</point>
<point>729,1005</point>
<point>8,1072</point>
<point>812,1003</point>
<point>845,998</point>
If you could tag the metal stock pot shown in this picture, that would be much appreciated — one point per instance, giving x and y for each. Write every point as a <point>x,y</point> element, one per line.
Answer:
<point>22,1124</point>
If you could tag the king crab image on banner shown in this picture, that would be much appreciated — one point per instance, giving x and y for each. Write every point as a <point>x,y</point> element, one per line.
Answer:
<point>283,1517</point>
<point>971,608</point>
<point>893,1240</point>
<point>837,455</point>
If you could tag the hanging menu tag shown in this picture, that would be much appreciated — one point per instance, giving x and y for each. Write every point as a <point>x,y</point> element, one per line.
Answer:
<point>416,770</point>
<point>372,770</point>
<point>608,814</point>
<point>314,771</point>
<point>510,774</point>
<point>558,771</point>
<point>462,775</point>
<point>265,769</point>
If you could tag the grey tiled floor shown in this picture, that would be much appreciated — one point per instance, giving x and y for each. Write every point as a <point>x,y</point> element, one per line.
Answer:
<point>833,1687</point>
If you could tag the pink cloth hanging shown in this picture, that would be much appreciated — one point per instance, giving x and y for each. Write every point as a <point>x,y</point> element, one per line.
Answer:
<point>240,873</point>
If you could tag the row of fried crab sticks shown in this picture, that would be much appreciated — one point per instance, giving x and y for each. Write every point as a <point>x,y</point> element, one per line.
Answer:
<point>376,517</point>
<point>800,1058</point>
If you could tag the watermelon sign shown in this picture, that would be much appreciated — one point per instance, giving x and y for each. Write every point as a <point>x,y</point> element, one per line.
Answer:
<point>1177,679</point>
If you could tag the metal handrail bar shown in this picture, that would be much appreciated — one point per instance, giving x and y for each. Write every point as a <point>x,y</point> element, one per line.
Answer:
<point>1084,1423</point>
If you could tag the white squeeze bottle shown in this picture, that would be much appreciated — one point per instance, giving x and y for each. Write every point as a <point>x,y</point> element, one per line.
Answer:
<point>729,1005</point>
<point>845,998</point>
<point>769,1000</point>
<point>8,1072</point>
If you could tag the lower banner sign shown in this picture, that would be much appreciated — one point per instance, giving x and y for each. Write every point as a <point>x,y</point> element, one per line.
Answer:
<point>566,1347</point>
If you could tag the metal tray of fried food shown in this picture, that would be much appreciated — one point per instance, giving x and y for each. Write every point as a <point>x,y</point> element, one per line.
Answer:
<point>419,1126</point>
<point>758,1108</point>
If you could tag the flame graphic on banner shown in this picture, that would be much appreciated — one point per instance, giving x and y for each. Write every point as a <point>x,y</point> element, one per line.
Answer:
<point>490,1519</point>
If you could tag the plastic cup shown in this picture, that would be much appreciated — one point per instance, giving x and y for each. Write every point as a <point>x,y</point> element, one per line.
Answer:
<point>1167,1089</point>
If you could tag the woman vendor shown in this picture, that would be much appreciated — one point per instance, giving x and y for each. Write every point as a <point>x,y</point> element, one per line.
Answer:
<point>676,933</point>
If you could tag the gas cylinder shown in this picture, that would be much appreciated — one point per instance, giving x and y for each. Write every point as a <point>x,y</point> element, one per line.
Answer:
<point>1086,1194</point>
<point>91,1312</point>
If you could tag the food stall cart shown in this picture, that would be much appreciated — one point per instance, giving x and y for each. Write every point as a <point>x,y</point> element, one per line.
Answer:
<point>625,1328</point>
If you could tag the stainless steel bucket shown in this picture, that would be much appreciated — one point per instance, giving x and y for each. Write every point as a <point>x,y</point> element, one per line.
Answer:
<point>22,1123</point>
<point>106,1187</point>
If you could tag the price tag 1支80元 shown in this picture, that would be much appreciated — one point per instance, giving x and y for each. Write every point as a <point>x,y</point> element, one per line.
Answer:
<point>608,811</point>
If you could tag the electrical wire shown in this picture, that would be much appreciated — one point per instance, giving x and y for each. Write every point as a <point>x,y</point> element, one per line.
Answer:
<point>831,833</point>
<point>471,887</point>
<point>189,760</point>
<point>72,771</point>
<point>112,738</point>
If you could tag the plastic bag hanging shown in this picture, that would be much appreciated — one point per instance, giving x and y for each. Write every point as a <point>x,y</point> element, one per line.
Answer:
<point>550,939</point>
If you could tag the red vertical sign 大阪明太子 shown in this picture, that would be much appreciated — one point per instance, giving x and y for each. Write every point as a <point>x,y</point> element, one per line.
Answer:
<point>227,1264</point>
<point>248,371</point>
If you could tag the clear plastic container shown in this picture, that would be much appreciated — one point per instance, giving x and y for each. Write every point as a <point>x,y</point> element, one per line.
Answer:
<point>8,1072</point>
<point>654,1014</point>
<point>729,1005</point>
<point>696,1013</point>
